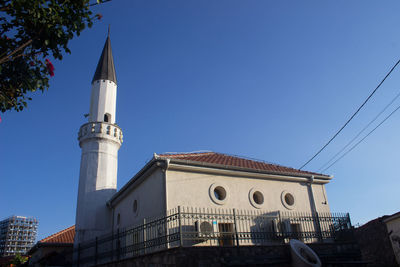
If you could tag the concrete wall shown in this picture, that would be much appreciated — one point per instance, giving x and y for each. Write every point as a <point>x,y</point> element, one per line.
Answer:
<point>393,228</point>
<point>150,198</point>
<point>192,189</point>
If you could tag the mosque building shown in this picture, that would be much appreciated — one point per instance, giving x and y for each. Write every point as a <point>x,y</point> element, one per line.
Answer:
<point>167,181</point>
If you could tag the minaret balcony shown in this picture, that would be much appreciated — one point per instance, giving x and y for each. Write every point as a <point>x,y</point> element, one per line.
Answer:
<point>100,130</point>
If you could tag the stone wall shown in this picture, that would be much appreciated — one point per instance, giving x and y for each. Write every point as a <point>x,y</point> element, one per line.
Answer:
<point>375,245</point>
<point>274,256</point>
<point>211,256</point>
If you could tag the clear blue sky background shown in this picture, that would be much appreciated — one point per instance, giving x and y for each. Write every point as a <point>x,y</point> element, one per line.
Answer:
<point>271,80</point>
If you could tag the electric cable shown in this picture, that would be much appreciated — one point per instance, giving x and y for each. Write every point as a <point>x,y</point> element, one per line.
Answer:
<point>348,151</point>
<point>355,113</point>
<point>360,132</point>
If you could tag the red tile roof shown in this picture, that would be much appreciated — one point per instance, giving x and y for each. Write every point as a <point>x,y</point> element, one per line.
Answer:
<point>235,161</point>
<point>64,236</point>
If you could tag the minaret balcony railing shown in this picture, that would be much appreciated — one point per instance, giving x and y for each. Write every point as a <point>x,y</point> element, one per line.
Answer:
<point>100,130</point>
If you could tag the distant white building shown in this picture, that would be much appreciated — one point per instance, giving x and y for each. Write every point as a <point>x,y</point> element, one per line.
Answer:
<point>205,180</point>
<point>17,235</point>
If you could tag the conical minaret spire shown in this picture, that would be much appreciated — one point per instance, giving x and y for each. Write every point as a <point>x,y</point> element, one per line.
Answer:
<point>105,68</point>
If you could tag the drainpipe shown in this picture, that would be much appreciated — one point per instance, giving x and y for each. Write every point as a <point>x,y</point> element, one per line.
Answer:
<point>164,169</point>
<point>311,195</point>
<point>314,211</point>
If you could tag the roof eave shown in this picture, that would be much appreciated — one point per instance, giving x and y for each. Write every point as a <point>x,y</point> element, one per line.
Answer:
<point>251,170</point>
<point>392,217</point>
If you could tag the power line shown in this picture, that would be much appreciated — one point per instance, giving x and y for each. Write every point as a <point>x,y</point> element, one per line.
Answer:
<point>359,133</point>
<point>348,151</point>
<point>348,121</point>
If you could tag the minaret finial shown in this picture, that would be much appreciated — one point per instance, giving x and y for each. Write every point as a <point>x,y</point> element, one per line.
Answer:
<point>108,30</point>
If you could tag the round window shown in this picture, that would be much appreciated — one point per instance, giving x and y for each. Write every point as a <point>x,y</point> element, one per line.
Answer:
<point>218,193</point>
<point>256,198</point>
<point>288,200</point>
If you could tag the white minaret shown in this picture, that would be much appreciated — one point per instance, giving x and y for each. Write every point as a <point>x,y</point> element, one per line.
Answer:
<point>100,140</point>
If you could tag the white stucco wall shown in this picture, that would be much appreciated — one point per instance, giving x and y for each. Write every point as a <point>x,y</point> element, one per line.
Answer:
<point>97,183</point>
<point>103,100</point>
<point>320,198</point>
<point>99,164</point>
<point>159,188</point>
<point>192,189</point>
<point>150,197</point>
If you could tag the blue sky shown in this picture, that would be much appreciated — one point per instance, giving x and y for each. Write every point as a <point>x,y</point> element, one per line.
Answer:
<point>271,80</point>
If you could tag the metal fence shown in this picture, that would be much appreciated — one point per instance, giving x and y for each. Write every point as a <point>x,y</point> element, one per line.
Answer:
<point>184,227</point>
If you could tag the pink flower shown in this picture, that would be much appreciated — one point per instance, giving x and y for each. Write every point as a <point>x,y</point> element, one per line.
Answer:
<point>99,16</point>
<point>50,67</point>
<point>32,63</point>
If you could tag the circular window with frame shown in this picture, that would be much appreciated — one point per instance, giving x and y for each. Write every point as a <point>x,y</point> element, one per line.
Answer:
<point>288,200</point>
<point>218,194</point>
<point>256,197</point>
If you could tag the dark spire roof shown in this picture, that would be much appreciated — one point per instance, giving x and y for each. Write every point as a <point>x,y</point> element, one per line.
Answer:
<point>105,68</point>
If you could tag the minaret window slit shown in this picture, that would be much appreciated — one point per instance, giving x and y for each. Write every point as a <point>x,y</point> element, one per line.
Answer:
<point>107,117</point>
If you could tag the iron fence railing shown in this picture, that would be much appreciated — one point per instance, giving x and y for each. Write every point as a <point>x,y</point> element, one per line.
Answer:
<point>184,227</point>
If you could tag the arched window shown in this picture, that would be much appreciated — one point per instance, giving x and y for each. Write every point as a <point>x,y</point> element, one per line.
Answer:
<point>107,117</point>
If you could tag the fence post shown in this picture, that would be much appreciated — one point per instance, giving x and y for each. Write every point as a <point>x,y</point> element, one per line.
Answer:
<point>280,224</point>
<point>95,253</point>
<point>79,254</point>
<point>144,236</point>
<point>118,245</point>
<point>180,227</point>
<point>235,225</point>
<point>319,231</point>
<point>112,245</point>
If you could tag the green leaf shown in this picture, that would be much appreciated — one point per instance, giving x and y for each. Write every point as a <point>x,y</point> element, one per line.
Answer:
<point>50,24</point>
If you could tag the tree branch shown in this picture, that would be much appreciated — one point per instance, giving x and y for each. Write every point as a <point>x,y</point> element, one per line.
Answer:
<point>9,56</point>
